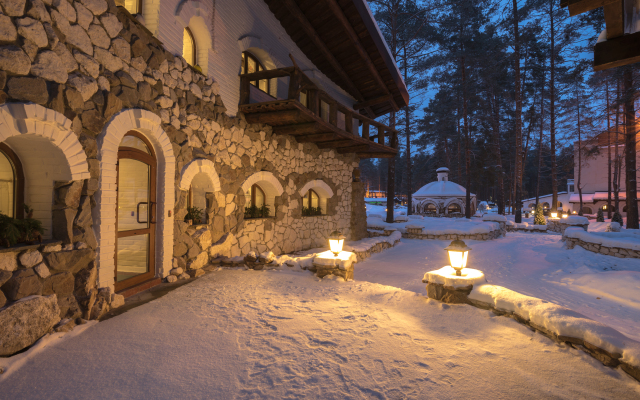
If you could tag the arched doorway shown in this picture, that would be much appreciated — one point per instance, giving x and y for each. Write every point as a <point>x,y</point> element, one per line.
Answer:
<point>136,209</point>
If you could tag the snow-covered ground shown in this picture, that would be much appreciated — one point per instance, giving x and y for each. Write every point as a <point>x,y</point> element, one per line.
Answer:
<point>604,288</point>
<point>287,335</point>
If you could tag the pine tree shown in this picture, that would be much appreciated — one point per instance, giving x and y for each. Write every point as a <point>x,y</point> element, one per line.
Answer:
<point>600,216</point>
<point>617,218</point>
<point>539,217</point>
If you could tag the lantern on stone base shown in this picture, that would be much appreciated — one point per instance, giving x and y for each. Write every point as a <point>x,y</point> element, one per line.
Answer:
<point>336,241</point>
<point>458,254</point>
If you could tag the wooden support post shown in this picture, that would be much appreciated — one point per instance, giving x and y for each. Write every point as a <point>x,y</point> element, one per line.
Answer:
<point>381,135</point>
<point>245,90</point>
<point>365,130</point>
<point>333,113</point>
<point>348,122</point>
<point>312,98</point>
<point>294,84</point>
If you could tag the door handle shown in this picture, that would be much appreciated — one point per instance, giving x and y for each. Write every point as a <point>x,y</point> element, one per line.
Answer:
<point>138,213</point>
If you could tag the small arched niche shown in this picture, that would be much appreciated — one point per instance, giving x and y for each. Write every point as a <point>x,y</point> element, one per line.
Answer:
<point>314,195</point>
<point>260,192</point>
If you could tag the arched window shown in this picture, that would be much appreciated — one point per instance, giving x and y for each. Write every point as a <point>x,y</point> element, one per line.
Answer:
<point>454,208</point>
<point>256,206</point>
<point>311,203</point>
<point>587,210</point>
<point>250,64</point>
<point>545,205</point>
<point>559,204</point>
<point>133,6</point>
<point>11,183</point>
<point>189,50</point>
<point>431,208</point>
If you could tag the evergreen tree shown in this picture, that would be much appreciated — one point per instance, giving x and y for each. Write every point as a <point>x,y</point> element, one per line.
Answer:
<point>600,216</point>
<point>539,217</point>
<point>617,217</point>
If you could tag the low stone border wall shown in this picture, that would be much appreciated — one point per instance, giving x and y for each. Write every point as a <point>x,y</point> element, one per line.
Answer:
<point>377,248</point>
<point>460,295</point>
<point>415,232</point>
<point>528,229</point>
<point>560,226</point>
<point>601,249</point>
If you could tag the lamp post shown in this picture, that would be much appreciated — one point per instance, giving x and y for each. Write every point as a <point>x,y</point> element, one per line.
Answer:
<point>336,241</point>
<point>458,253</point>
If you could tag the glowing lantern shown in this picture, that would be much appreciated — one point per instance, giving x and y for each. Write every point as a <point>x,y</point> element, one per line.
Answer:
<point>336,241</point>
<point>554,215</point>
<point>565,215</point>
<point>604,207</point>
<point>458,253</point>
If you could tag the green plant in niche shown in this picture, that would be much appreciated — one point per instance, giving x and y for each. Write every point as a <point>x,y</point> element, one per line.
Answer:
<point>194,214</point>
<point>308,211</point>
<point>256,212</point>
<point>264,211</point>
<point>14,231</point>
<point>9,231</point>
<point>30,230</point>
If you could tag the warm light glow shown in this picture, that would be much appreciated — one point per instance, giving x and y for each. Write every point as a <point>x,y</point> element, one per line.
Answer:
<point>336,245</point>
<point>565,215</point>
<point>604,207</point>
<point>458,259</point>
<point>554,215</point>
<point>574,212</point>
<point>336,241</point>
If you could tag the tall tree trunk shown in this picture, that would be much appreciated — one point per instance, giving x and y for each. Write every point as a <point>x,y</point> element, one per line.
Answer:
<point>540,140</point>
<point>579,154</point>
<point>407,122</point>
<point>616,160</point>
<point>391,173</point>
<point>552,110</point>
<point>608,153</point>
<point>630,149</point>
<point>496,149</point>
<point>467,150</point>
<point>518,116</point>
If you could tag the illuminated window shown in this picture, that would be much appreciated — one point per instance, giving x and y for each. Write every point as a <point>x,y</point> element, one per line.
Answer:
<point>250,64</point>
<point>133,6</point>
<point>325,109</point>
<point>189,51</point>
<point>304,100</point>
<point>11,183</point>
<point>454,208</point>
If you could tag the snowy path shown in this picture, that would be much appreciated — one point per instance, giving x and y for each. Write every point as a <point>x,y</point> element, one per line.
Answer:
<point>286,335</point>
<point>533,264</point>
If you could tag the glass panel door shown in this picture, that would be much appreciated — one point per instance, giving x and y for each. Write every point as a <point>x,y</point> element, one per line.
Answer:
<point>136,220</point>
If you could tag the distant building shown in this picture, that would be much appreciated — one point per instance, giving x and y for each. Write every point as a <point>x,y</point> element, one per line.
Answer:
<point>442,197</point>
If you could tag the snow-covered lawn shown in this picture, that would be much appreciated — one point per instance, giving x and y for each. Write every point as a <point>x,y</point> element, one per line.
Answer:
<point>287,335</point>
<point>604,288</point>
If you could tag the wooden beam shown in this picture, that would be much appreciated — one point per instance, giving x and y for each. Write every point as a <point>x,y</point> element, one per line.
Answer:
<point>372,102</point>
<point>616,52</point>
<point>269,74</point>
<point>339,14</point>
<point>614,19</point>
<point>376,155</point>
<point>336,144</point>
<point>296,12</point>
<point>273,117</point>
<point>354,149</point>
<point>314,138</point>
<point>581,6</point>
<point>297,129</point>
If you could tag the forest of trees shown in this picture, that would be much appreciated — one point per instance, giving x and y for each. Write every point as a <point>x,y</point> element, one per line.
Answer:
<point>500,92</point>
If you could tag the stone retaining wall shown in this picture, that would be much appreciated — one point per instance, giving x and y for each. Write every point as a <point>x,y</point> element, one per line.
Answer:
<point>560,227</point>
<point>416,233</point>
<point>601,249</point>
<point>512,228</point>
<point>460,296</point>
<point>377,248</point>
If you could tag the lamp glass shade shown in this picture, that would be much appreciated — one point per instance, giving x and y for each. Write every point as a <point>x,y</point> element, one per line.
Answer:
<point>336,241</point>
<point>458,259</point>
<point>554,215</point>
<point>565,215</point>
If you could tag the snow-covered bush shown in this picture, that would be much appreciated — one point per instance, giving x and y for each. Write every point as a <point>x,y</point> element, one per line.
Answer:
<point>600,217</point>
<point>539,217</point>
<point>617,218</point>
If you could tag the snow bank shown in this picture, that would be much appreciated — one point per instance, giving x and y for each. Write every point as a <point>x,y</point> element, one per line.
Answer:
<point>626,239</point>
<point>575,220</point>
<point>438,226</point>
<point>366,244</point>
<point>494,218</point>
<point>559,320</point>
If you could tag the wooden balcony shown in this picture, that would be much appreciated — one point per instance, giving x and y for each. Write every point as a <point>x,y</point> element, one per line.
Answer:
<point>322,120</point>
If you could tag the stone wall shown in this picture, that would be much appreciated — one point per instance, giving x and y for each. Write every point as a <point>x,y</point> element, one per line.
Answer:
<point>559,226</point>
<point>599,248</point>
<point>91,61</point>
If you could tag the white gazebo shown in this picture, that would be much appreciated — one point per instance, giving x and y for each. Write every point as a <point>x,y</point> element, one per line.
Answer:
<point>442,197</point>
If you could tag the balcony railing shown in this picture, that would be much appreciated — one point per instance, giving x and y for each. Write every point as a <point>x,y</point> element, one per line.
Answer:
<point>320,120</point>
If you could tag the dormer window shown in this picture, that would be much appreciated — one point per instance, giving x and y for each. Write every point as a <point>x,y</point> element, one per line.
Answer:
<point>250,64</point>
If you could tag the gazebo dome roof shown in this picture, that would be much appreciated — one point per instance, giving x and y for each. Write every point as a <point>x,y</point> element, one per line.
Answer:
<point>442,169</point>
<point>441,189</point>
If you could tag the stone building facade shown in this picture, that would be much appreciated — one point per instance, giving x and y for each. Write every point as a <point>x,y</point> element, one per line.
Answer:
<point>86,84</point>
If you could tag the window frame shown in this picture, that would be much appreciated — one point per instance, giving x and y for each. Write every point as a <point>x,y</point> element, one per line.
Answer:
<point>194,55</point>
<point>254,188</point>
<point>18,177</point>
<point>260,67</point>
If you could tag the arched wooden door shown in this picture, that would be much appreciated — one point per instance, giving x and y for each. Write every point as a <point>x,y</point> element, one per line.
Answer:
<point>136,208</point>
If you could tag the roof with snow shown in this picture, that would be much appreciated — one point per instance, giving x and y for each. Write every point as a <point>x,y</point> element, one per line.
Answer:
<point>597,196</point>
<point>441,189</point>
